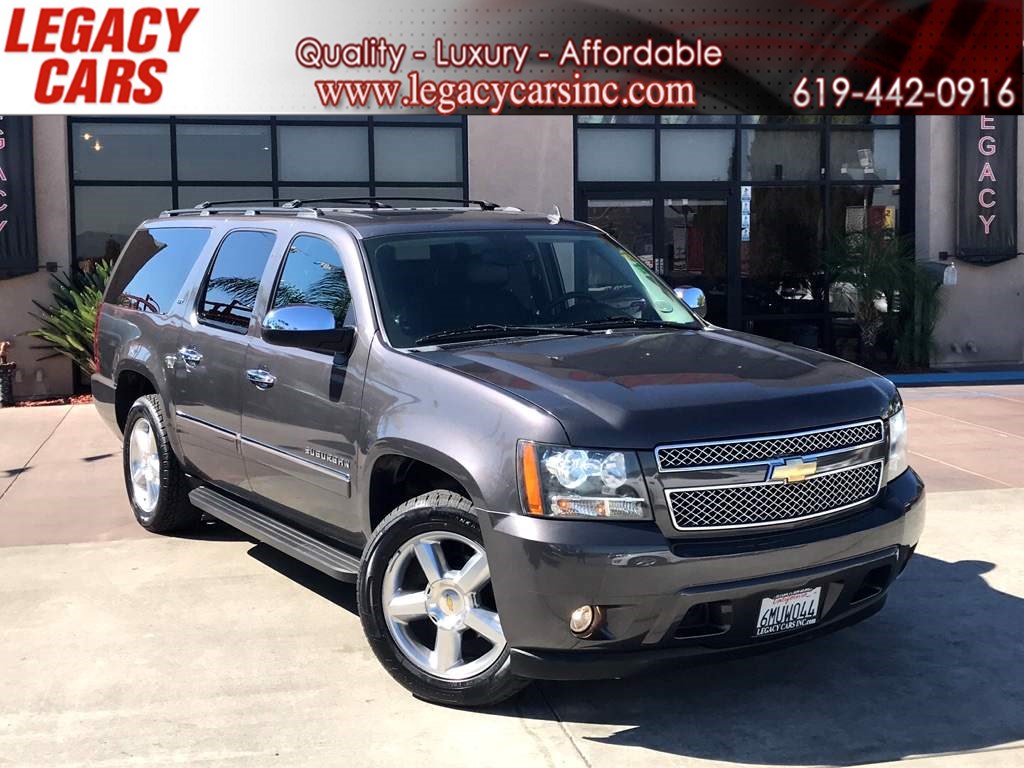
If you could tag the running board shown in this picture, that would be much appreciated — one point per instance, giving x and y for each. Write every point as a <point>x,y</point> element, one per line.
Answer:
<point>286,538</point>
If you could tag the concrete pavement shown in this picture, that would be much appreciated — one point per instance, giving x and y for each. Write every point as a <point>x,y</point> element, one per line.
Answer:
<point>118,648</point>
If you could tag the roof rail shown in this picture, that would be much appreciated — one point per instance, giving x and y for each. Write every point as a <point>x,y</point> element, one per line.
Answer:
<point>209,209</point>
<point>369,202</point>
<point>376,202</point>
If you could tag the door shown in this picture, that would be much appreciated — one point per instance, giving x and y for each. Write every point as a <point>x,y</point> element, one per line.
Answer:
<point>696,233</point>
<point>210,360</point>
<point>300,413</point>
<point>682,233</point>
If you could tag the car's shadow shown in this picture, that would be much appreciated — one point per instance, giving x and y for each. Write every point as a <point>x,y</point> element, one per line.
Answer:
<point>939,670</point>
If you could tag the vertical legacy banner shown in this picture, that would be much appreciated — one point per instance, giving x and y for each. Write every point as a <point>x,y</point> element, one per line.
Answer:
<point>18,253</point>
<point>987,218</point>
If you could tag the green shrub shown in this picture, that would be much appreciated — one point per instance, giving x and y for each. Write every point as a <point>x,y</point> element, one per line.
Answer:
<point>67,324</point>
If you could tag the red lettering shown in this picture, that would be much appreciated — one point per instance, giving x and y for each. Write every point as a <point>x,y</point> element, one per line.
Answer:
<point>3,207</point>
<point>110,33</point>
<point>83,83</point>
<point>178,26</point>
<point>3,176</point>
<point>988,123</point>
<point>45,93</point>
<point>148,71</point>
<point>118,78</point>
<point>46,26</point>
<point>986,221</point>
<point>14,44</point>
<point>76,34</point>
<point>137,41</point>
<point>987,172</point>
<point>982,195</point>
<point>987,146</point>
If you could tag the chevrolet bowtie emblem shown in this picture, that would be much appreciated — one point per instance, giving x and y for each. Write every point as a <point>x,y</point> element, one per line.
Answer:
<point>794,470</point>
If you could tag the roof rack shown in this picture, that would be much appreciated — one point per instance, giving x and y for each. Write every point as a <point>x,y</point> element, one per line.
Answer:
<point>376,202</point>
<point>210,207</point>
<point>302,207</point>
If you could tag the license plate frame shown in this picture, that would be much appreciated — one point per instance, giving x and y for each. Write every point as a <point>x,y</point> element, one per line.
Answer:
<point>787,612</point>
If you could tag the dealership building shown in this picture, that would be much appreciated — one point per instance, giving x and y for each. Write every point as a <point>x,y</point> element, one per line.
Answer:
<point>742,206</point>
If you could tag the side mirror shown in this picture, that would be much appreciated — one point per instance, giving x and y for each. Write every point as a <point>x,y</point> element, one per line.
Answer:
<point>308,327</point>
<point>693,298</point>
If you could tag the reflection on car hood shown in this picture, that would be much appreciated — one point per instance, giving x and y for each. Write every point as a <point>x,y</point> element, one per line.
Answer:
<point>639,389</point>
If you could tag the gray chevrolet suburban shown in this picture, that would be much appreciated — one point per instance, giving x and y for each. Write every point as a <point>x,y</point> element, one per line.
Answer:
<point>530,455</point>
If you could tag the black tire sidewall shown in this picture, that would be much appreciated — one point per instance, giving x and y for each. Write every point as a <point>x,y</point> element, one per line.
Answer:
<point>161,518</point>
<point>490,686</point>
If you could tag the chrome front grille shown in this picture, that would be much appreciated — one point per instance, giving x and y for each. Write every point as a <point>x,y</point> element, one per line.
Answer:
<point>731,506</point>
<point>672,458</point>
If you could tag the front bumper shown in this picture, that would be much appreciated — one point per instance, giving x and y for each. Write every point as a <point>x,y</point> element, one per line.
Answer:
<point>671,600</point>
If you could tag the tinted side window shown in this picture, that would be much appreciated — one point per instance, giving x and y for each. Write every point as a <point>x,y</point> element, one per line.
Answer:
<point>231,288</point>
<point>154,267</point>
<point>313,274</point>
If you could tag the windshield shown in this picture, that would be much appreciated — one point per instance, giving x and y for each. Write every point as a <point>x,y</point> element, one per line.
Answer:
<point>430,284</point>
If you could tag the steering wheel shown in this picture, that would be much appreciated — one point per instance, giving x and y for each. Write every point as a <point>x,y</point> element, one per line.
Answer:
<point>566,297</point>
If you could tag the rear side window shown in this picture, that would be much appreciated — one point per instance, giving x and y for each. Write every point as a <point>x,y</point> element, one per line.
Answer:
<point>154,267</point>
<point>234,280</point>
<point>313,274</point>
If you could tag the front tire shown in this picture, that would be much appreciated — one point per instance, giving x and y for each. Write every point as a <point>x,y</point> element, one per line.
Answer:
<point>427,606</point>
<point>157,487</point>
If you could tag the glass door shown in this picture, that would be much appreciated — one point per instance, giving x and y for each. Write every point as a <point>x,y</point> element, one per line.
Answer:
<point>696,249</point>
<point>630,221</point>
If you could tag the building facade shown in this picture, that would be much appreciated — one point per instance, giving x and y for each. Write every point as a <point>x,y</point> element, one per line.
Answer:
<point>742,206</point>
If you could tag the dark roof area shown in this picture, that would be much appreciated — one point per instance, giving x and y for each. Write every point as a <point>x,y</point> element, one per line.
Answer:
<point>406,221</point>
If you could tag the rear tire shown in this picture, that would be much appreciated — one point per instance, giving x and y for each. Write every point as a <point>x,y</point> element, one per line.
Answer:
<point>435,627</point>
<point>157,487</point>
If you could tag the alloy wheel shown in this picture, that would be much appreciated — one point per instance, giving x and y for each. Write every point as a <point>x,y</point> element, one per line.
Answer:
<point>439,606</point>
<point>144,467</point>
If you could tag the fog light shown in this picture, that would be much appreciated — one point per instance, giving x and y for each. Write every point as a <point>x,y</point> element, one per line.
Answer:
<point>585,620</point>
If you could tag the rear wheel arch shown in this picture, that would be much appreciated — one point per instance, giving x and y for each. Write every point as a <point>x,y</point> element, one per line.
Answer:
<point>129,386</point>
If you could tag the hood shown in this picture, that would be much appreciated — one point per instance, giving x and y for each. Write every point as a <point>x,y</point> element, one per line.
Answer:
<point>639,389</point>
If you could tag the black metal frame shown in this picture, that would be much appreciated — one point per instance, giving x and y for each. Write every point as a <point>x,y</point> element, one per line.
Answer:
<point>660,190</point>
<point>370,122</point>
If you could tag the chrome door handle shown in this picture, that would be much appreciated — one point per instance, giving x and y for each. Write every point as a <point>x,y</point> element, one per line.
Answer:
<point>261,378</point>
<point>190,356</point>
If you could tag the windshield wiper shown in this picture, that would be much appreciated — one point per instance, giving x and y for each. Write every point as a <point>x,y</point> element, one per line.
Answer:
<point>496,331</point>
<point>622,321</point>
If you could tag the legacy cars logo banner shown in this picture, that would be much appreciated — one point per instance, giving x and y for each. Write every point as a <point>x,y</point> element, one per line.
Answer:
<point>470,56</point>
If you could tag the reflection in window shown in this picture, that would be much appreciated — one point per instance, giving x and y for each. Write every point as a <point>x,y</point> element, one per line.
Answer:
<point>864,208</point>
<point>779,155</point>
<point>219,152</point>
<point>698,250</point>
<point>122,152</point>
<point>865,154</point>
<point>313,275</point>
<point>106,216</point>
<point>155,265</point>
<point>234,281</point>
<point>779,264</point>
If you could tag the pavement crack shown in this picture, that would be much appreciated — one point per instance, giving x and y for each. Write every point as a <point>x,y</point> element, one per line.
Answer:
<point>561,725</point>
<point>36,452</point>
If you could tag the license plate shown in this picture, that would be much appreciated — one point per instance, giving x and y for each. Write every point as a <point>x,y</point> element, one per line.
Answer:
<point>784,613</point>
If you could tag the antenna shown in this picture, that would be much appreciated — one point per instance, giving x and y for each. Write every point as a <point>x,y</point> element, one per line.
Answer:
<point>555,217</point>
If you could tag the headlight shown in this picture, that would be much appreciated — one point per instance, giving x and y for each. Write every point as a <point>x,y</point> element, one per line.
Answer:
<point>897,463</point>
<point>556,481</point>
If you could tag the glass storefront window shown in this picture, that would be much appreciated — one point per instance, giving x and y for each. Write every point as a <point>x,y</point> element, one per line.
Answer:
<point>615,119</point>
<point>779,264</point>
<point>864,208</point>
<point>106,216</point>
<point>323,153</point>
<point>857,155</point>
<point>131,164</point>
<point>191,196</point>
<point>781,155</point>
<point>697,232</point>
<point>615,154</point>
<point>122,152</point>
<point>698,119</point>
<point>223,152</point>
<point>631,223</point>
<point>421,154</point>
<point>697,155</point>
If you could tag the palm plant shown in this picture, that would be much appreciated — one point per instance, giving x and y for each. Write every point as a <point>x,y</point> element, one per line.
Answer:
<point>68,323</point>
<point>890,291</point>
